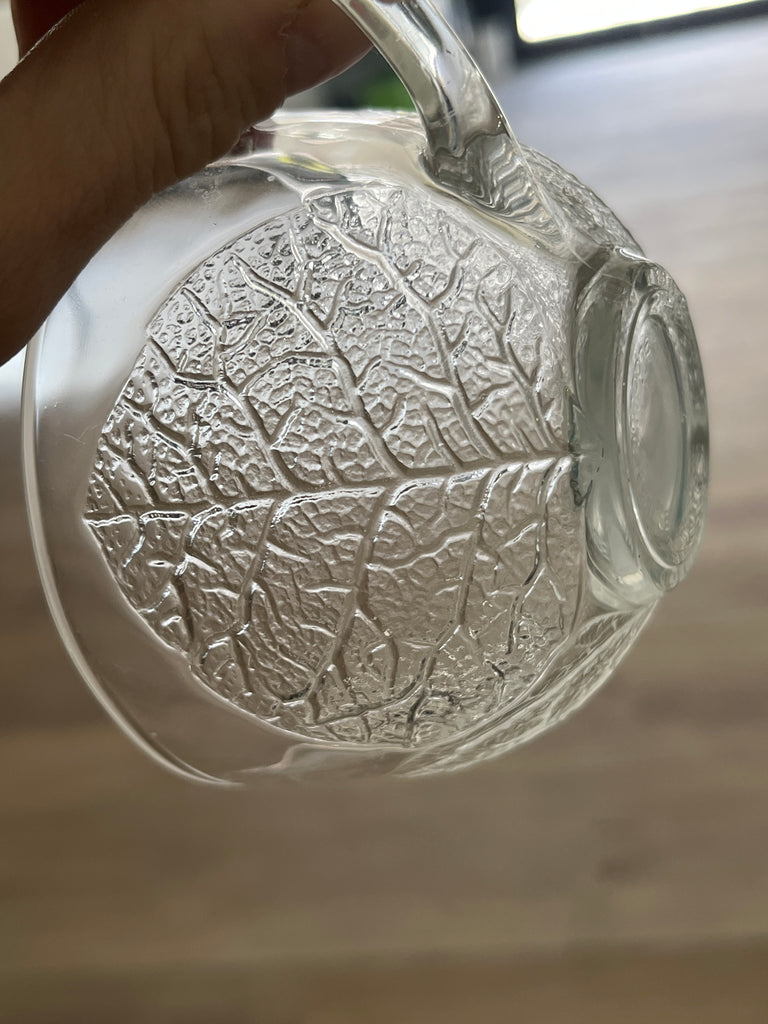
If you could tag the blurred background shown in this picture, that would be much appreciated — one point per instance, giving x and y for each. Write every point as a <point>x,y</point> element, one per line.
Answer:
<point>615,870</point>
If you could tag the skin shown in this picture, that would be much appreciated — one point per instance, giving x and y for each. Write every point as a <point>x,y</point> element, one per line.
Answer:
<point>115,100</point>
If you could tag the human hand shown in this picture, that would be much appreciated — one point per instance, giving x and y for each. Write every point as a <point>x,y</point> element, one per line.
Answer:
<point>121,99</point>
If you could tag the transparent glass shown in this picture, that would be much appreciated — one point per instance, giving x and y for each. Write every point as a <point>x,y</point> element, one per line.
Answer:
<point>370,448</point>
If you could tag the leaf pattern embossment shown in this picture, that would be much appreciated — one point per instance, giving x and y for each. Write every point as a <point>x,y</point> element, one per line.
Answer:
<point>338,478</point>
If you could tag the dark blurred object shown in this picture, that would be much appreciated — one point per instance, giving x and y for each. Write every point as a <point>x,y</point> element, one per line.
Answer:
<point>371,83</point>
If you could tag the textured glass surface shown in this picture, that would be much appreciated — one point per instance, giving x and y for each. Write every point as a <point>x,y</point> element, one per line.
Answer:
<point>378,453</point>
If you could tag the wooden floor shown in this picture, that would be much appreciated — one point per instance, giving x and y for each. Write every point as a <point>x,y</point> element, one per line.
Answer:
<point>614,871</point>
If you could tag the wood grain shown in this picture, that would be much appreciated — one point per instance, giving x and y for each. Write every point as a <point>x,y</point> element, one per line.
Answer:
<point>614,870</point>
<point>697,986</point>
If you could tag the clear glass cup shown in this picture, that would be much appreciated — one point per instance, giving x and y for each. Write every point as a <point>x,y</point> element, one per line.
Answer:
<point>370,448</point>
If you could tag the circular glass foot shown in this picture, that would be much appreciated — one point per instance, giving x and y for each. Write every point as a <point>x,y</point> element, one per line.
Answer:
<point>641,428</point>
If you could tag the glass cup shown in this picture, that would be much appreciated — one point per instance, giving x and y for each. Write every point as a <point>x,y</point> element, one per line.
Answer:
<point>369,448</point>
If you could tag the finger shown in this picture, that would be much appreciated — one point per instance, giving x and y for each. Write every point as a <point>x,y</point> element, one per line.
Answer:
<point>122,99</point>
<point>319,44</point>
<point>33,18</point>
<point>321,27</point>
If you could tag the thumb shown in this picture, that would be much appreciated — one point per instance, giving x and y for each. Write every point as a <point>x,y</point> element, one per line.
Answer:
<point>122,99</point>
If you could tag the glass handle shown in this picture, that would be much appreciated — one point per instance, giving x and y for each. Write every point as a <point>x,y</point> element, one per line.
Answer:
<point>471,150</point>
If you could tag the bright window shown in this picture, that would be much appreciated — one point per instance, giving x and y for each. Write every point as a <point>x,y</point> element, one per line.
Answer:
<point>541,20</point>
